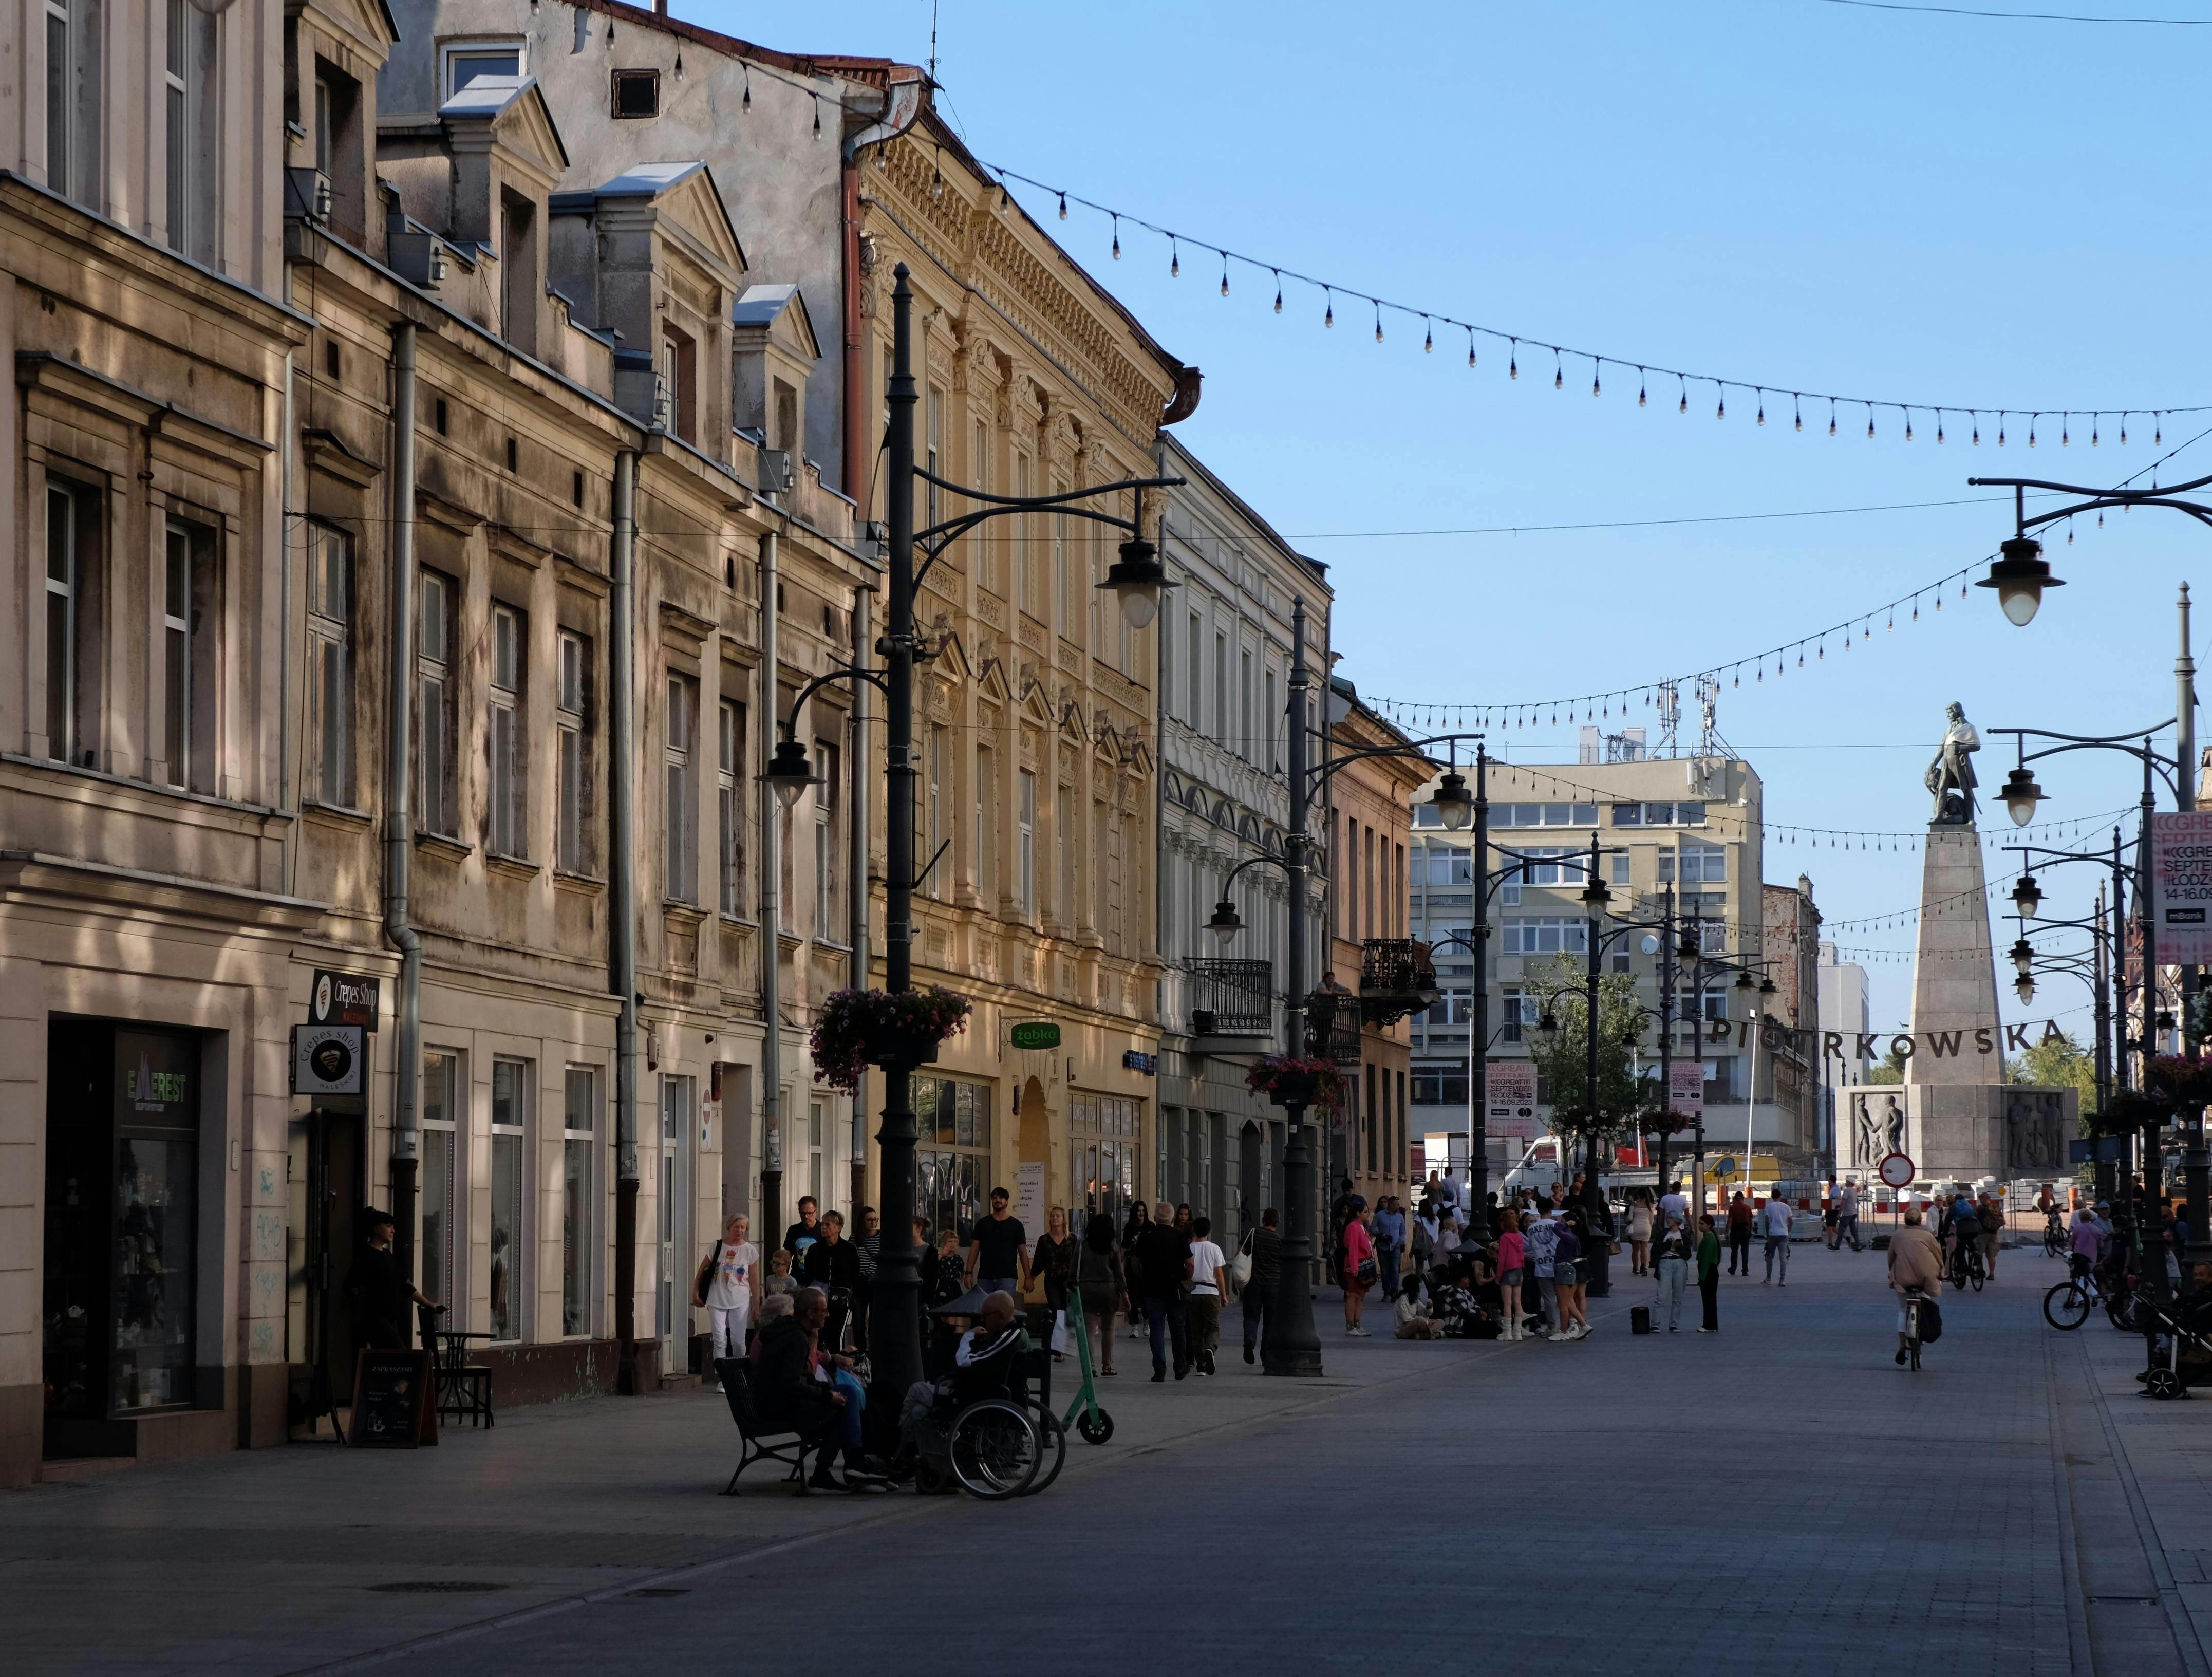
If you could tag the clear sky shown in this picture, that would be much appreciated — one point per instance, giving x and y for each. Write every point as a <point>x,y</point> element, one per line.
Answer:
<point>1935,210</point>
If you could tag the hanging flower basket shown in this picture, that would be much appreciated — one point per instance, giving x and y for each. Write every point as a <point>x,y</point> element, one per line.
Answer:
<point>857,1029</point>
<point>2184,1081</point>
<point>2130,1110</point>
<point>1664,1121</point>
<point>1288,1082</point>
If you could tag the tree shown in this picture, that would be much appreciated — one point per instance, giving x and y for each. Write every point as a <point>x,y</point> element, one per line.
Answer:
<point>1892,1069</point>
<point>2056,1062</point>
<point>1562,1056</point>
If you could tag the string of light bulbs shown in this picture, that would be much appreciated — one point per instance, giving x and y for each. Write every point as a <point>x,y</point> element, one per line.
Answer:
<point>1646,370</point>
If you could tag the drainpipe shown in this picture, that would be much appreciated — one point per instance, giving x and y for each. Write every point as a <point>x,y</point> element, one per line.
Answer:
<point>857,771</point>
<point>284,505</point>
<point>622,897</point>
<point>771,911</point>
<point>398,805</point>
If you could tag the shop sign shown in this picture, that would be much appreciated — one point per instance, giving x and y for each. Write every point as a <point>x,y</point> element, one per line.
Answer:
<point>1035,1034</point>
<point>1149,1064</point>
<point>343,998</point>
<point>329,1060</point>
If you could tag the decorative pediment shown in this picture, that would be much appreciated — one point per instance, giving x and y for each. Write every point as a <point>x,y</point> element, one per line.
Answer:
<point>368,24</point>
<point>689,209</point>
<point>1036,703</point>
<point>991,680</point>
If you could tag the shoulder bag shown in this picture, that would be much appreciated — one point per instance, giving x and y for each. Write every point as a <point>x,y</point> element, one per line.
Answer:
<point>1240,1266</point>
<point>705,1278</point>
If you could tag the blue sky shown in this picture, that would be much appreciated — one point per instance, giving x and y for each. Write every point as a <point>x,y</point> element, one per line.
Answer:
<point>1951,211</point>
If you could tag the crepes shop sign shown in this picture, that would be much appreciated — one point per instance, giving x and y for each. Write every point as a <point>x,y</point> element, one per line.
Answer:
<point>2181,886</point>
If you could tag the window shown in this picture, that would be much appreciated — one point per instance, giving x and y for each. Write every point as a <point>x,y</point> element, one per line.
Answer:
<point>730,807</point>
<point>1248,737</point>
<point>1025,818</point>
<point>987,571</point>
<point>1102,1134</point>
<point>636,94</point>
<point>1702,865</point>
<point>1268,717</point>
<point>1063,617</point>
<point>1658,815</point>
<point>678,412</point>
<point>1519,1013</point>
<point>1221,689</point>
<point>330,651</point>
<point>934,834</point>
<point>1445,867</point>
<point>787,421</point>
<point>1543,815</point>
<point>829,876</point>
<point>338,137</point>
<point>1545,934</point>
<point>952,1160</point>
<point>510,1264</point>
<point>580,1204</point>
<point>934,448</point>
<point>1620,869</point>
<point>463,63</point>
<point>188,85</point>
<point>1064,848</point>
<point>672,1307</point>
<point>189,617</point>
<point>440,1103</point>
<point>1020,523</point>
<point>1192,652</point>
<point>1452,1007</point>
<point>434,704</point>
<point>569,722</point>
<point>74,85</point>
<point>519,289</point>
<point>1534,868</point>
<point>815,1115</point>
<point>73,612</point>
<point>509,821</point>
<point>1440,1083</point>
<point>679,812</point>
<point>987,848</point>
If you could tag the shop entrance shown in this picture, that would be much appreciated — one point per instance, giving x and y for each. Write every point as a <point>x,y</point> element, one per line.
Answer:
<point>322,1234</point>
<point>121,1257</point>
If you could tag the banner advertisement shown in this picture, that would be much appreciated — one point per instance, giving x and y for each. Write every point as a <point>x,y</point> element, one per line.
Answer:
<point>1511,1112</point>
<point>2181,886</point>
<point>1686,1087</point>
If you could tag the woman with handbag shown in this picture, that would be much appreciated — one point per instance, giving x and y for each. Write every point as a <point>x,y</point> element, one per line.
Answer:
<point>727,1287</point>
<point>1053,1263</point>
<point>1359,1271</point>
<point>1101,1284</point>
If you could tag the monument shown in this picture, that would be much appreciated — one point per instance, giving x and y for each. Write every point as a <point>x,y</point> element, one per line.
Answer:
<point>1957,1116</point>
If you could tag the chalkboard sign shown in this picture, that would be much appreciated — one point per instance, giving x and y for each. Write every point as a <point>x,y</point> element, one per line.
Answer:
<point>392,1401</point>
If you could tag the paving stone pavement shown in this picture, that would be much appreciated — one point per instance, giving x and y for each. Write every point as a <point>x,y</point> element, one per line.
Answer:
<point>1780,1499</point>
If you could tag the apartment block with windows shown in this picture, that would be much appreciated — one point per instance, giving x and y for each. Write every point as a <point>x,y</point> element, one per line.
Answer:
<point>1683,834</point>
<point>1224,797</point>
<point>147,899</point>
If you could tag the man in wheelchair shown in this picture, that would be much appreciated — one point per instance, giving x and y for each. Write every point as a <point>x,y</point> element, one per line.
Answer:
<point>984,1360</point>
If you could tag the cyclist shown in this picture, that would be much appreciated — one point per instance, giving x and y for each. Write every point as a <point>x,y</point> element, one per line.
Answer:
<point>2087,1244</point>
<point>1990,1219</point>
<point>1916,1265</point>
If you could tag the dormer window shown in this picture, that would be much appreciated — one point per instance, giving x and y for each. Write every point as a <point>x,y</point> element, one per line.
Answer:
<point>465,61</point>
<point>637,94</point>
<point>679,410</point>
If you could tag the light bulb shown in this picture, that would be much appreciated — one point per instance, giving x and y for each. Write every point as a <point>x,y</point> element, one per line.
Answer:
<point>1175,261</point>
<point>1063,206</point>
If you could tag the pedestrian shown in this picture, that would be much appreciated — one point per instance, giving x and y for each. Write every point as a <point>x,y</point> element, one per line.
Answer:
<point>1359,1271</point>
<point>1739,1234</point>
<point>832,1262</point>
<point>870,1244</point>
<point>1847,1214</point>
<point>998,1250</point>
<point>1424,1237</point>
<point>1389,1233</point>
<point>1410,1318</point>
<point>1264,1245</point>
<point>1512,1258</point>
<point>1342,1210</point>
<point>1672,1250</point>
<point>379,1291</point>
<point>1541,1237</point>
<point>731,1295</point>
<point>1674,1204</point>
<point>779,1281</point>
<point>926,1259</point>
<point>1162,1265</point>
<point>1639,1233</point>
<point>1566,1259</point>
<point>1489,1218</point>
<point>1990,1215</point>
<point>1133,1230</point>
<point>1208,1274</point>
<point>805,1232</point>
<point>1054,1264</point>
<point>1774,1223</point>
<point>1709,1272</point>
<point>1101,1284</point>
<point>952,1273</point>
<point>1828,1217</point>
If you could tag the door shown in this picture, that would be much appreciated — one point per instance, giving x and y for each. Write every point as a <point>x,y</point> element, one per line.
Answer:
<point>1250,1148</point>
<point>674,1312</point>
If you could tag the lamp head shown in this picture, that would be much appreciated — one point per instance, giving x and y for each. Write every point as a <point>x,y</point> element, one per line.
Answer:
<point>2023,959</point>
<point>2021,795</point>
<point>789,772</point>
<point>1136,578</point>
<point>1549,1023</point>
<point>1595,894</point>
<point>2027,896</point>
<point>2024,989</point>
<point>1454,803</point>
<point>2019,578</point>
<point>1226,923</point>
<point>1765,985</point>
<point>1744,981</point>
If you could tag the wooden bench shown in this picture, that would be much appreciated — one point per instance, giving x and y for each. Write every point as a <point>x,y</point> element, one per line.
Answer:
<point>759,1442</point>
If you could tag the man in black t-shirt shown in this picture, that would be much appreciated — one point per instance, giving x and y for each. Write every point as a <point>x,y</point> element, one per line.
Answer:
<point>803,1233</point>
<point>379,1291</point>
<point>998,1250</point>
<point>1162,1267</point>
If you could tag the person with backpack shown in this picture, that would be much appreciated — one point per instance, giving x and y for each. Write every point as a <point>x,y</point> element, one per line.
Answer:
<point>1990,1215</point>
<point>1671,1255</point>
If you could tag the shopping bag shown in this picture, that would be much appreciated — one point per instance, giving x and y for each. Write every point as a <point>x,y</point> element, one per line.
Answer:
<point>1060,1332</point>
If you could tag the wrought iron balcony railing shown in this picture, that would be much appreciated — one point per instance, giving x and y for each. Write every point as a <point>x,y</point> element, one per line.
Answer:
<point>1231,998</point>
<point>1333,1019</point>
<point>1396,977</point>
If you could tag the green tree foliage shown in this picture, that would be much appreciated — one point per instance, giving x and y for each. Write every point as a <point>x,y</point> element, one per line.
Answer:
<point>1564,1057</point>
<point>2058,1063</point>
<point>1892,1069</point>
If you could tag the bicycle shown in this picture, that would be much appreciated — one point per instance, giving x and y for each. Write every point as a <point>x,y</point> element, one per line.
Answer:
<point>2067,1305</point>
<point>1913,1300</point>
<point>1965,1265</point>
<point>2055,1243</point>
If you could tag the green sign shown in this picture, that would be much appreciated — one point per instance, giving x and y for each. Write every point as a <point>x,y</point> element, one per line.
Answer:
<point>1035,1033</point>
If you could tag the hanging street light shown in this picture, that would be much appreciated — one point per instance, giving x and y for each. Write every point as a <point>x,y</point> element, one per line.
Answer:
<point>1226,923</point>
<point>2021,795</point>
<point>2019,578</point>
<point>1454,803</point>
<point>2027,896</point>
<point>2023,961</point>
<point>789,772</point>
<point>2024,989</point>
<point>1136,578</point>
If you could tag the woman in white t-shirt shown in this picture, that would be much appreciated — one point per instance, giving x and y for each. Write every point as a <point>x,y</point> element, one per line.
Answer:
<point>732,1291</point>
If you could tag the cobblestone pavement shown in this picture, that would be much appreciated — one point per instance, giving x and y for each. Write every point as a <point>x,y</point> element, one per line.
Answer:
<point>1780,1499</point>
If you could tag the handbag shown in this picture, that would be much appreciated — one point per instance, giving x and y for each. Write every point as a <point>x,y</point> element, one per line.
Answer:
<point>1931,1322</point>
<point>1060,1332</point>
<point>705,1278</point>
<point>1240,1266</point>
<point>1368,1273</point>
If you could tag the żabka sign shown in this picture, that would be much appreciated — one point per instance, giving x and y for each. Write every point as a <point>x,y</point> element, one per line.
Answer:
<point>1982,1041</point>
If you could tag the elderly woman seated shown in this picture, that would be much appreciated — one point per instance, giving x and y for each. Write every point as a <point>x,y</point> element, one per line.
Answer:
<point>812,1392</point>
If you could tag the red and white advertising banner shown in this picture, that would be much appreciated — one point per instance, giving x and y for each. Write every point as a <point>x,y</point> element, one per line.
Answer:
<point>2181,886</point>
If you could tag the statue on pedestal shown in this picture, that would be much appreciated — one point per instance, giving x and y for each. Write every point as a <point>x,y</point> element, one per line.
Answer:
<point>1950,776</point>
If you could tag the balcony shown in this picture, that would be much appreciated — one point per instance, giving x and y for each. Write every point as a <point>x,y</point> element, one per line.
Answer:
<point>1332,1020</point>
<point>1396,978</point>
<point>1231,998</point>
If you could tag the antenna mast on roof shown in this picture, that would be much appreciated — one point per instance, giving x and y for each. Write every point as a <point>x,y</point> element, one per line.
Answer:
<point>1670,714</point>
<point>932,43</point>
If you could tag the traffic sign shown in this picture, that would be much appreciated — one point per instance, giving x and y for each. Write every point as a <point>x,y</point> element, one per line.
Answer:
<point>1897,1170</point>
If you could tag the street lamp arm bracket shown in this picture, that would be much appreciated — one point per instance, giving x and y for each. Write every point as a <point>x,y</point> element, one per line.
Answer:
<point>873,677</point>
<point>937,537</point>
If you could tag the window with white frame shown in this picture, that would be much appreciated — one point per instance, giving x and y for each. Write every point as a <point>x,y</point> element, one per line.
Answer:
<point>986,848</point>
<point>1221,689</point>
<point>73,620</point>
<point>1544,934</point>
<point>443,1130</point>
<point>1539,865</point>
<point>1543,815</point>
<point>1063,602</point>
<point>1025,840</point>
<point>679,728</point>
<point>1269,716</point>
<point>730,807</point>
<point>1019,524</point>
<point>189,86</point>
<point>579,1202</point>
<point>935,794</point>
<point>436,800</point>
<point>464,60</point>
<point>1659,815</point>
<point>571,723</point>
<point>509,834</point>
<point>75,87</point>
<point>934,457</point>
<point>1621,868</point>
<point>1451,1008</point>
<point>1702,865</point>
<point>828,874</point>
<point>1193,647</point>
<point>817,1123</point>
<point>987,569</point>
<point>1518,1011</point>
<point>188,654</point>
<point>511,1268</point>
<point>1064,849</point>
<point>1443,866</point>
<point>330,664</point>
<point>1248,739</point>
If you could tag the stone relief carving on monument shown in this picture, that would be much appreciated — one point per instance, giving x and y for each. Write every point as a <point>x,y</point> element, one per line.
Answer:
<point>2034,1120</point>
<point>1877,1126</point>
<point>1950,776</point>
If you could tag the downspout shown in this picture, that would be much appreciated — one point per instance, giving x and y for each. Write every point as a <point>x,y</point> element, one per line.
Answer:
<point>398,805</point>
<point>622,895</point>
<point>857,891</point>
<point>284,505</point>
<point>902,105</point>
<point>771,854</point>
